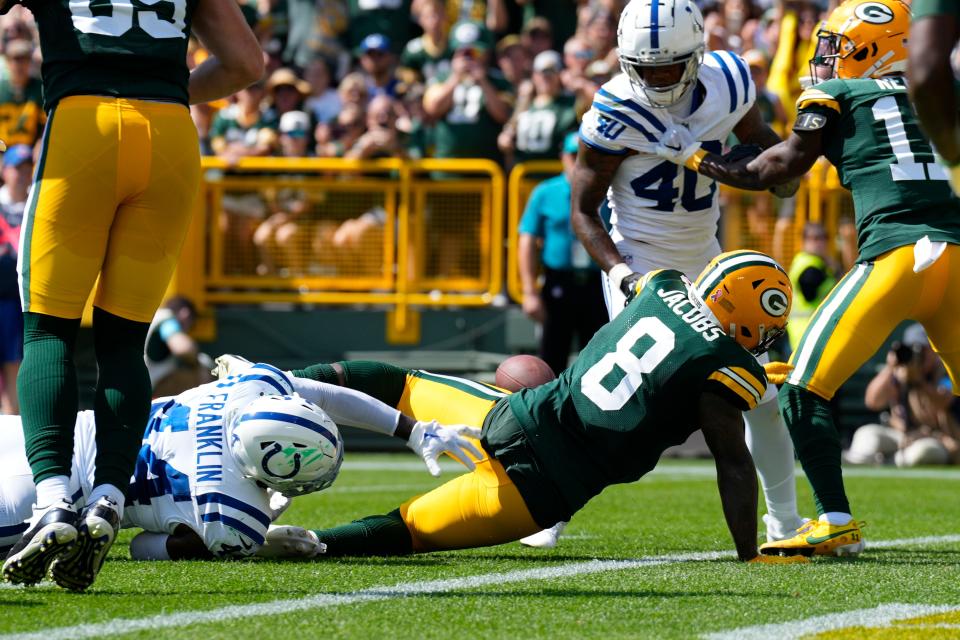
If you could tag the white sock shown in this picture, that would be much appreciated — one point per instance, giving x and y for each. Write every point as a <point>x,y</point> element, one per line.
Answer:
<point>772,450</point>
<point>50,490</point>
<point>107,491</point>
<point>836,518</point>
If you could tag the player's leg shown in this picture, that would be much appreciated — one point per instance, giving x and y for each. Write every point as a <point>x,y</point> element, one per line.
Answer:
<point>557,296</point>
<point>64,239</point>
<point>476,509</point>
<point>939,314</point>
<point>158,186</point>
<point>848,327</point>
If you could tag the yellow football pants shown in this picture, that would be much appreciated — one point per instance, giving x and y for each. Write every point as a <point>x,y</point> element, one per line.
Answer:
<point>112,198</point>
<point>861,311</point>
<point>447,399</point>
<point>477,509</point>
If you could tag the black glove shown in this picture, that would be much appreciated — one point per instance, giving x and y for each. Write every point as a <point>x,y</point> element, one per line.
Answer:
<point>629,287</point>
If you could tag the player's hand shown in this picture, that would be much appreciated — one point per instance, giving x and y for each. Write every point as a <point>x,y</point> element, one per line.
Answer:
<point>278,504</point>
<point>289,542</point>
<point>430,439</point>
<point>678,145</point>
<point>622,277</point>
<point>777,372</point>
<point>629,287</point>
<point>762,559</point>
<point>228,364</point>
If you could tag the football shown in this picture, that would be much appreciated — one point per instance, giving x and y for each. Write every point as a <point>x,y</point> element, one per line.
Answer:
<point>523,371</point>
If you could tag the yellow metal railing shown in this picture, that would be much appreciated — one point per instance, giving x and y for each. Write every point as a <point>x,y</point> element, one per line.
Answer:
<point>333,231</point>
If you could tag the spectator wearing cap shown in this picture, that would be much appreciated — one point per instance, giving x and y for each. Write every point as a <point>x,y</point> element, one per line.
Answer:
<point>537,131</point>
<point>390,18</point>
<point>294,131</point>
<point>17,176</point>
<point>537,36</point>
<point>514,61</point>
<point>426,57</point>
<point>323,104</point>
<point>919,426</point>
<point>577,56</point>
<point>382,138</point>
<point>21,113</point>
<point>287,91</point>
<point>471,104</point>
<point>379,65</point>
<point>570,302</point>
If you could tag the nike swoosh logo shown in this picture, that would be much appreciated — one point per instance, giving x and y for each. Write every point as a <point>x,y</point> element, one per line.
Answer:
<point>672,148</point>
<point>819,539</point>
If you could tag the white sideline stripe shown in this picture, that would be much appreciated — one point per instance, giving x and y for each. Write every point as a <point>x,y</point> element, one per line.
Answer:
<point>373,594</point>
<point>665,471</point>
<point>877,617</point>
<point>277,607</point>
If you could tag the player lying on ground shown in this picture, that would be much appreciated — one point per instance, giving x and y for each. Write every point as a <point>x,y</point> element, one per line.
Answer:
<point>908,224</point>
<point>215,465</point>
<point>658,372</point>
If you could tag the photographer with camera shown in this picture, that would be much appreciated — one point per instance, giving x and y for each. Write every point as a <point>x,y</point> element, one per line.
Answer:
<point>919,426</point>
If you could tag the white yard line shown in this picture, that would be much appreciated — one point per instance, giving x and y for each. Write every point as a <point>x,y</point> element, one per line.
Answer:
<point>387,592</point>
<point>878,617</point>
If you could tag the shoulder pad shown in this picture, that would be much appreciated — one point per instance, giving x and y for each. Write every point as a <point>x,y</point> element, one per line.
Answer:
<point>825,94</point>
<point>737,81</point>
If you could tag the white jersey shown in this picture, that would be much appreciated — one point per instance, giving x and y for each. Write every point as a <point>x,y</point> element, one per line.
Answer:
<point>673,211</point>
<point>186,475</point>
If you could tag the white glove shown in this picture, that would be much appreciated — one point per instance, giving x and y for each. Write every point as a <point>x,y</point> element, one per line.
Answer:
<point>229,364</point>
<point>278,504</point>
<point>290,542</point>
<point>677,145</point>
<point>430,439</point>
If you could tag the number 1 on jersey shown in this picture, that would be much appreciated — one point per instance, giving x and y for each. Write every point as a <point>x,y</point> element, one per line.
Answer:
<point>887,110</point>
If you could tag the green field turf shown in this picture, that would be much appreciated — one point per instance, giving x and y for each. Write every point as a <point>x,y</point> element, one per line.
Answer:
<point>635,564</point>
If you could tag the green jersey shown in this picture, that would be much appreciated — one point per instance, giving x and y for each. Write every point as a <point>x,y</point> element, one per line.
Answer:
<point>542,128</point>
<point>871,135</point>
<point>468,130</point>
<point>427,62</point>
<point>123,48</point>
<point>21,112</point>
<point>630,395</point>
<point>927,8</point>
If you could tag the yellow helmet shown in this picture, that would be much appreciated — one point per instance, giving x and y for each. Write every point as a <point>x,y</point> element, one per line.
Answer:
<point>862,39</point>
<point>750,296</point>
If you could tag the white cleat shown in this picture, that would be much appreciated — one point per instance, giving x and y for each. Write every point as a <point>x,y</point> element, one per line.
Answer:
<point>546,539</point>
<point>778,530</point>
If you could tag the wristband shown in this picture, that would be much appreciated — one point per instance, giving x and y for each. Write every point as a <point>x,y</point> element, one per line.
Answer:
<point>693,162</point>
<point>617,273</point>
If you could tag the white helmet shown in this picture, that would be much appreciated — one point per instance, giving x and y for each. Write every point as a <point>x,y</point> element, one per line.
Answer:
<point>654,33</point>
<point>287,443</point>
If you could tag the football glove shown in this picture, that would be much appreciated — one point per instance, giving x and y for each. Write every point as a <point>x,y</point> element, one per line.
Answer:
<point>742,152</point>
<point>278,504</point>
<point>290,542</point>
<point>227,364</point>
<point>623,278</point>
<point>798,559</point>
<point>777,372</point>
<point>430,439</point>
<point>678,146</point>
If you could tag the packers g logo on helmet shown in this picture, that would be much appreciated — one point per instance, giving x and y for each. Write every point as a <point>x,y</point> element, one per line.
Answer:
<point>863,40</point>
<point>750,295</point>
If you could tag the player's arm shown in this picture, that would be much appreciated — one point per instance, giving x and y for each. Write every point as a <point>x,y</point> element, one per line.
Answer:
<point>591,178</point>
<point>722,426</point>
<point>753,130</point>
<point>778,165</point>
<point>236,59</point>
<point>931,81</point>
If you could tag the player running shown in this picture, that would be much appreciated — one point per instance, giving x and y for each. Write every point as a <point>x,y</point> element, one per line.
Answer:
<point>908,224</point>
<point>933,35</point>
<point>665,216</point>
<point>655,374</point>
<point>111,202</point>
<point>215,464</point>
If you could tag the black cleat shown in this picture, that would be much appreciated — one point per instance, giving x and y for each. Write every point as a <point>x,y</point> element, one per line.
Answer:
<point>98,529</point>
<point>54,534</point>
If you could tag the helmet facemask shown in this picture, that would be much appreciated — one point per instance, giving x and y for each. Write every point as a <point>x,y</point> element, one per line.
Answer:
<point>665,96</point>
<point>823,64</point>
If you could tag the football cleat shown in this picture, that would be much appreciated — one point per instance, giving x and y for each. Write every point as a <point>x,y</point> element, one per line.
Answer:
<point>54,534</point>
<point>820,538</point>
<point>99,524</point>
<point>545,539</point>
